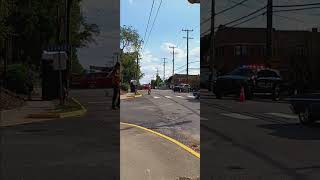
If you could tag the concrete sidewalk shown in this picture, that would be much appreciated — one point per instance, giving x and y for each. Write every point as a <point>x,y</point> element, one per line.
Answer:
<point>129,96</point>
<point>145,155</point>
<point>20,115</point>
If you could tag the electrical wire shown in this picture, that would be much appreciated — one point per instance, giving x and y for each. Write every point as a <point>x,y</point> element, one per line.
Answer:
<point>298,9</point>
<point>153,23</point>
<point>231,7</point>
<point>150,13</point>
<point>297,5</point>
<point>243,17</point>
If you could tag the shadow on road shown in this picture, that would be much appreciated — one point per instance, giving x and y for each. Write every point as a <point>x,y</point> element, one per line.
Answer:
<point>294,131</point>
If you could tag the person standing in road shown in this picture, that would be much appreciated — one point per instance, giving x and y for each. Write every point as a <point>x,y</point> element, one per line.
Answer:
<point>29,82</point>
<point>115,74</point>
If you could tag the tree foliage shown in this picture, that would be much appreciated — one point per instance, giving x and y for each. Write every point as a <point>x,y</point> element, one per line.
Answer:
<point>130,42</point>
<point>36,24</point>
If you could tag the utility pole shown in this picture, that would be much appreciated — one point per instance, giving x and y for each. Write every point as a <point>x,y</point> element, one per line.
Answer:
<point>68,4</point>
<point>157,77</point>
<point>187,30</point>
<point>164,68</point>
<point>269,31</point>
<point>172,47</point>
<point>173,53</point>
<point>212,49</point>
<point>137,74</point>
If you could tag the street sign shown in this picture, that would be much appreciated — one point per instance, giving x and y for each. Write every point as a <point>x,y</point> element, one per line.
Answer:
<point>59,59</point>
<point>63,47</point>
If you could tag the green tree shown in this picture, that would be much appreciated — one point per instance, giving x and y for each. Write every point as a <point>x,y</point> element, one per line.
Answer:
<point>37,24</point>
<point>130,42</point>
<point>157,82</point>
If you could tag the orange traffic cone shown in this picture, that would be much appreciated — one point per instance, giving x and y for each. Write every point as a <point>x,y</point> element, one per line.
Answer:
<point>242,97</point>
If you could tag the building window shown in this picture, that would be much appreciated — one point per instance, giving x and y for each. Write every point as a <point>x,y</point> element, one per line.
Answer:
<point>241,51</point>
<point>237,51</point>
<point>220,51</point>
<point>263,51</point>
<point>301,51</point>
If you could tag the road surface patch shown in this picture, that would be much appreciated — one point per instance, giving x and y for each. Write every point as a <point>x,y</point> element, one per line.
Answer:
<point>238,116</point>
<point>166,137</point>
<point>283,115</point>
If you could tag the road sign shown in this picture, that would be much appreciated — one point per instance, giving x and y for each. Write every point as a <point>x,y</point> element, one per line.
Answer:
<point>59,59</point>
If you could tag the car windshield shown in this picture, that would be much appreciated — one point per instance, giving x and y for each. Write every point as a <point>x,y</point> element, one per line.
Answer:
<point>267,73</point>
<point>242,72</point>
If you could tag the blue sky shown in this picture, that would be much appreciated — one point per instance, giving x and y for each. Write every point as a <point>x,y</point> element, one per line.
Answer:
<point>174,15</point>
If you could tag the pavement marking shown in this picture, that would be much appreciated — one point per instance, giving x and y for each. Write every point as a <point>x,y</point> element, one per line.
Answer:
<point>191,96</point>
<point>166,137</point>
<point>204,119</point>
<point>169,97</point>
<point>289,116</point>
<point>238,116</point>
<point>180,97</point>
<point>156,97</point>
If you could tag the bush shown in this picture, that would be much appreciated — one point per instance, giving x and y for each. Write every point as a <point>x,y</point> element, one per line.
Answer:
<point>16,78</point>
<point>125,86</point>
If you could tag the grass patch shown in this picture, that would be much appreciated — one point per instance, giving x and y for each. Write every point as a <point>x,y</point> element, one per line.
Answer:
<point>69,106</point>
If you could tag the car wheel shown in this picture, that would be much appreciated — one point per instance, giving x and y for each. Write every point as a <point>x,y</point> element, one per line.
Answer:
<point>305,117</point>
<point>276,93</point>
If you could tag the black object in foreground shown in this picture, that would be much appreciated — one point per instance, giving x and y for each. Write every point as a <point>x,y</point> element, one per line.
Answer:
<point>307,106</point>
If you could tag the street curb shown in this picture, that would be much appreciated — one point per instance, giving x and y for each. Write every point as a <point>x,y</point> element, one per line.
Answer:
<point>49,115</point>
<point>194,153</point>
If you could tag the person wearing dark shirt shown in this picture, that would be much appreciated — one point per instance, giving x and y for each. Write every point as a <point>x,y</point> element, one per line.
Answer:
<point>115,74</point>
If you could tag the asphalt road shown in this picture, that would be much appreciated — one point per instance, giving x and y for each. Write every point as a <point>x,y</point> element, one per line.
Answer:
<point>176,115</point>
<point>256,140</point>
<point>72,149</point>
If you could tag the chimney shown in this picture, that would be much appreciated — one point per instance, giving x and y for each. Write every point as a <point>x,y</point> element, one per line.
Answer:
<point>314,30</point>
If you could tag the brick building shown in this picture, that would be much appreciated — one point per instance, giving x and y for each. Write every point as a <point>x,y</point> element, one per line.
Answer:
<point>194,80</point>
<point>295,53</point>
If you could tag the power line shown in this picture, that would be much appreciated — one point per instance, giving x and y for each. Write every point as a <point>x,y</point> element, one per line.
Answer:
<point>150,13</point>
<point>227,9</point>
<point>153,23</point>
<point>186,65</point>
<point>243,17</point>
<point>298,5</point>
<point>297,9</point>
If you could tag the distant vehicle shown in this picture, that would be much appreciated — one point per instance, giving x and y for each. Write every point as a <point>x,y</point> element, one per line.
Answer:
<point>307,107</point>
<point>182,88</point>
<point>93,80</point>
<point>253,79</point>
<point>196,94</point>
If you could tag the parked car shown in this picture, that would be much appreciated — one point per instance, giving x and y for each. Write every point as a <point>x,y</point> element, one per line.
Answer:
<point>307,107</point>
<point>182,88</point>
<point>252,80</point>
